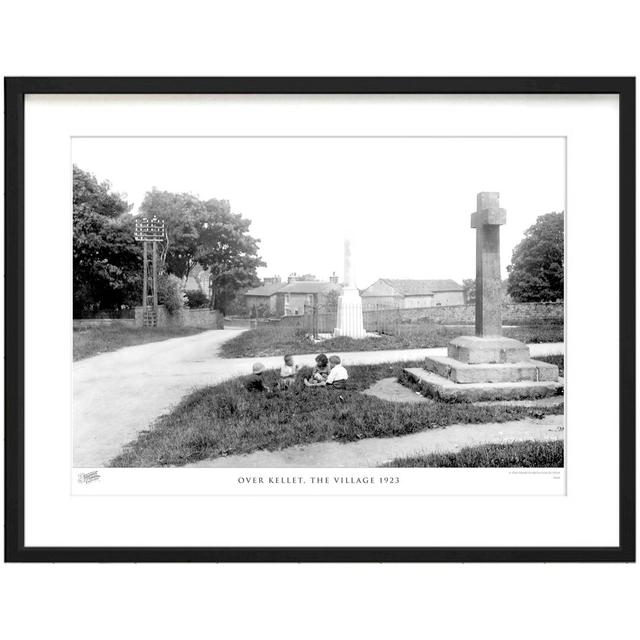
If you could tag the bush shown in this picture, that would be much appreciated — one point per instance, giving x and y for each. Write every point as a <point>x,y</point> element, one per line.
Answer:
<point>238,307</point>
<point>196,299</point>
<point>170,293</point>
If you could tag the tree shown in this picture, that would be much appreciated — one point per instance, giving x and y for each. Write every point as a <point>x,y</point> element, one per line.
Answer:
<point>228,252</point>
<point>107,261</point>
<point>331,300</point>
<point>170,292</point>
<point>185,217</point>
<point>209,234</point>
<point>197,299</point>
<point>237,306</point>
<point>506,298</point>
<point>469,286</point>
<point>89,195</point>
<point>536,272</point>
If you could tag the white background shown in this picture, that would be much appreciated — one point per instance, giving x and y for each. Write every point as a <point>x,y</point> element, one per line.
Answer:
<point>399,38</point>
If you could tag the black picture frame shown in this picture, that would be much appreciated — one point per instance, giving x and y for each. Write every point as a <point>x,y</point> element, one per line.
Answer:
<point>15,91</point>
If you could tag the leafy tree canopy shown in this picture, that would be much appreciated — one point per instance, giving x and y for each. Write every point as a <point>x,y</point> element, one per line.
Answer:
<point>209,234</point>
<point>536,272</point>
<point>229,253</point>
<point>89,195</point>
<point>106,259</point>
<point>331,300</point>
<point>185,217</point>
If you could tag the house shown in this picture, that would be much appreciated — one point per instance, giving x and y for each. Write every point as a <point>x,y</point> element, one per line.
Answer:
<point>412,294</point>
<point>292,297</point>
<point>265,295</point>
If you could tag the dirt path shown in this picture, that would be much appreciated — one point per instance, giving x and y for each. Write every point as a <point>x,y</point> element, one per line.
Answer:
<point>116,395</point>
<point>373,452</point>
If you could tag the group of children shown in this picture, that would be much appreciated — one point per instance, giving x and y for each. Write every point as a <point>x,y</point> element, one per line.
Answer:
<point>328,372</point>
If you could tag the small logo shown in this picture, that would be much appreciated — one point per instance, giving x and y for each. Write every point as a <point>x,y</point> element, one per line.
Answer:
<point>86,478</point>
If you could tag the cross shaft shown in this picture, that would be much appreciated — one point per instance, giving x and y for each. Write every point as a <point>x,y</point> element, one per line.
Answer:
<point>486,221</point>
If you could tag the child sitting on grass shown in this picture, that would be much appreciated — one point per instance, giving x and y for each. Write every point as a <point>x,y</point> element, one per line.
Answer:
<point>320,373</point>
<point>288,372</point>
<point>338,375</point>
<point>337,378</point>
<point>255,381</point>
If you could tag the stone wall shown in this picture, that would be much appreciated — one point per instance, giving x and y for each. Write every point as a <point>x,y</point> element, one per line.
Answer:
<point>204,318</point>
<point>292,321</point>
<point>91,323</point>
<point>512,313</point>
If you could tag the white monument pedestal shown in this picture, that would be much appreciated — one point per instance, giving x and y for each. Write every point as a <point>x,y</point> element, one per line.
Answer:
<point>350,322</point>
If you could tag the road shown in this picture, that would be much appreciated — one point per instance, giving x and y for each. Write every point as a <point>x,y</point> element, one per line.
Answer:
<point>117,395</point>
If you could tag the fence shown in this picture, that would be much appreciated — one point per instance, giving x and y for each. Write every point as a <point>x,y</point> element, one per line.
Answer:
<point>315,320</point>
<point>383,320</point>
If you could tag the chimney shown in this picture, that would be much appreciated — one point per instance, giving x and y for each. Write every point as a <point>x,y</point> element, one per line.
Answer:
<point>333,279</point>
<point>293,277</point>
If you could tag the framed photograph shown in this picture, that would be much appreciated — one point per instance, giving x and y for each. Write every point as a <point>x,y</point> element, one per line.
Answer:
<point>320,319</point>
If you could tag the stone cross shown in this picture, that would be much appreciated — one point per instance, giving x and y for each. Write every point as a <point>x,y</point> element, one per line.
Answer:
<point>486,221</point>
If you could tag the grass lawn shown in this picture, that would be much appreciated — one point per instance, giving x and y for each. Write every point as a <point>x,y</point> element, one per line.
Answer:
<point>94,340</point>
<point>529,453</point>
<point>226,419</point>
<point>278,340</point>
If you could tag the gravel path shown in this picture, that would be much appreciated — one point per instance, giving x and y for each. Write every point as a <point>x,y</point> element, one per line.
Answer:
<point>372,452</point>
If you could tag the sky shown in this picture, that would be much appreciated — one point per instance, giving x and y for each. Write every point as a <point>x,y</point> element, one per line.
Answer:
<point>405,202</point>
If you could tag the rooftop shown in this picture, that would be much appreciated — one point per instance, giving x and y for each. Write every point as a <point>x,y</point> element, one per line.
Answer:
<point>266,290</point>
<point>302,286</point>
<point>422,287</point>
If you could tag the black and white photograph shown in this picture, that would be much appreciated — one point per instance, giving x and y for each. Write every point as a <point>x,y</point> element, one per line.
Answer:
<point>318,302</point>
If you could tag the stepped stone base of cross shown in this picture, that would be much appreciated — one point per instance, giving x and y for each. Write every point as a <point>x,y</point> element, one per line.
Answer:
<point>488,366</point>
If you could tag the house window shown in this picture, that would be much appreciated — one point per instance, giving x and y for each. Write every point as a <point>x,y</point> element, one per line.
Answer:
<point>310,298</point>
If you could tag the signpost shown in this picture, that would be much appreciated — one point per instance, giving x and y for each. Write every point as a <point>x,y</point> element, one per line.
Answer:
<point>149,230</point>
